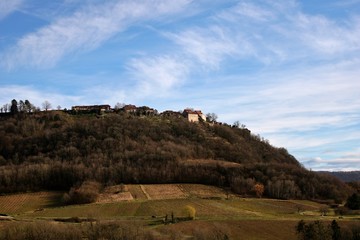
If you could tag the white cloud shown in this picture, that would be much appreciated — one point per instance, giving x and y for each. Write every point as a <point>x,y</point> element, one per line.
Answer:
<point>306,98</point>
<point>105,94</point>
<point>85,30</point>
<point>279,31</point>
<point>158,75</point>
<point>271,34</point>
<point>212,45</point>
<point>327,36</point>
<point>248,10</point>
<point>7,7</point>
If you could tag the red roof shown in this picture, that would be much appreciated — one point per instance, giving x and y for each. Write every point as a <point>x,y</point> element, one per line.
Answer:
<point>190,111</point>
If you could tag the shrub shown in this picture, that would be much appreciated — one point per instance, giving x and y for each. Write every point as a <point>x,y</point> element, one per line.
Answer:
<point>190,212</point>
<point>86,193</point>
<point>259,189</point>
<point>353,202</point>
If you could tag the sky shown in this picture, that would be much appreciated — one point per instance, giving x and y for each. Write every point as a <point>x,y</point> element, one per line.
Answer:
<point>288,70</point>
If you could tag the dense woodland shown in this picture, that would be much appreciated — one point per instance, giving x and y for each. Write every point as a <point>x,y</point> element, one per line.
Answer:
<point>56,150</point>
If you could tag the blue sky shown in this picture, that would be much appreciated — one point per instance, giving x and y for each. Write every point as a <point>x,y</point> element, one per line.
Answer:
<point>288,70</point>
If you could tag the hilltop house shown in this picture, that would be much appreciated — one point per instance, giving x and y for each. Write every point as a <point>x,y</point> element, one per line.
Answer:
<point>194,115</point>
<point>129,108</point>
<point>97,108</point>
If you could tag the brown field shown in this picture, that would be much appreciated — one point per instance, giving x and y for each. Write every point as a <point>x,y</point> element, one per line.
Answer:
<point>242,229</point>
<point>218,214</point>
<point>115,194</point>
<point>20,203</point>
<point>203,191</point>
<point>161,191</point>
<point>136,192</point>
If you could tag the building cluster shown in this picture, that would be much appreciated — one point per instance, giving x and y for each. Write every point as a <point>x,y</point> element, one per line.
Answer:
<point>90,108</point>
<point>190,114</point>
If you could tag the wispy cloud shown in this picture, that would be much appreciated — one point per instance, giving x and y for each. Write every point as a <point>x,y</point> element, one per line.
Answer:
<point>273,32</point>
<point>302,100</point>
<point>7,7</point>
<point>248,10</point>
<point>209,46</point>
<point>326,36</point>
<point>85,30</point>
<point>157,75</point>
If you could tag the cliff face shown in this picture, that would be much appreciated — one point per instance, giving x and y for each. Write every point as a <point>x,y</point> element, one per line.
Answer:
<point>55,150</point>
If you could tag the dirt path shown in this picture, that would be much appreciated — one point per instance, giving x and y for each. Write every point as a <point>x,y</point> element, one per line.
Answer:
<point>136,192</point>
<point>144,191</point>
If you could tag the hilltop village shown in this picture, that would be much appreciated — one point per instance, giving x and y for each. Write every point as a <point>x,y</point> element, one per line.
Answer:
<point>191,114</point>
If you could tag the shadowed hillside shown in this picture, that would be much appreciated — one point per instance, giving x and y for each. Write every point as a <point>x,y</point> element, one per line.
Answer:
<point>56,150</point>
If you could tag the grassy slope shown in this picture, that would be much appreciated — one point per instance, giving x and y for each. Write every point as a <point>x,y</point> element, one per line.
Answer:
<point>239,218</point>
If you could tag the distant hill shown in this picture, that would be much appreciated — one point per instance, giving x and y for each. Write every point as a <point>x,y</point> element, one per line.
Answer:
<point>56,150</point>
<point>352,176</point>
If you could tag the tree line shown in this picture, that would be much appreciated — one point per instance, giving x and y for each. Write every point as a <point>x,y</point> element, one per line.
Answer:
<point>22,106</point>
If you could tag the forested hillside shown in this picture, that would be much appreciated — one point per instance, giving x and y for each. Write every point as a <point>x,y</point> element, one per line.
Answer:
<point>56,150</point>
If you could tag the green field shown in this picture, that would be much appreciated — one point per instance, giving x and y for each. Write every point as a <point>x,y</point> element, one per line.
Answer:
<point>239,218</point>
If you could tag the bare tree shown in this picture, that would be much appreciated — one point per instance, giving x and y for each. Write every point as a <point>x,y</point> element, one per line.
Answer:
<point>6,107</point>
<point>211,117</point>
<point>46,105</point>
<point>28,106</point>
<point>21,106</point>
<point>236,124</point>
<point>119,105</point>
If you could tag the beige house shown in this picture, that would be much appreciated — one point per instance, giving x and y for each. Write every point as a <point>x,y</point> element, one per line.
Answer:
<point>194,115</point>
